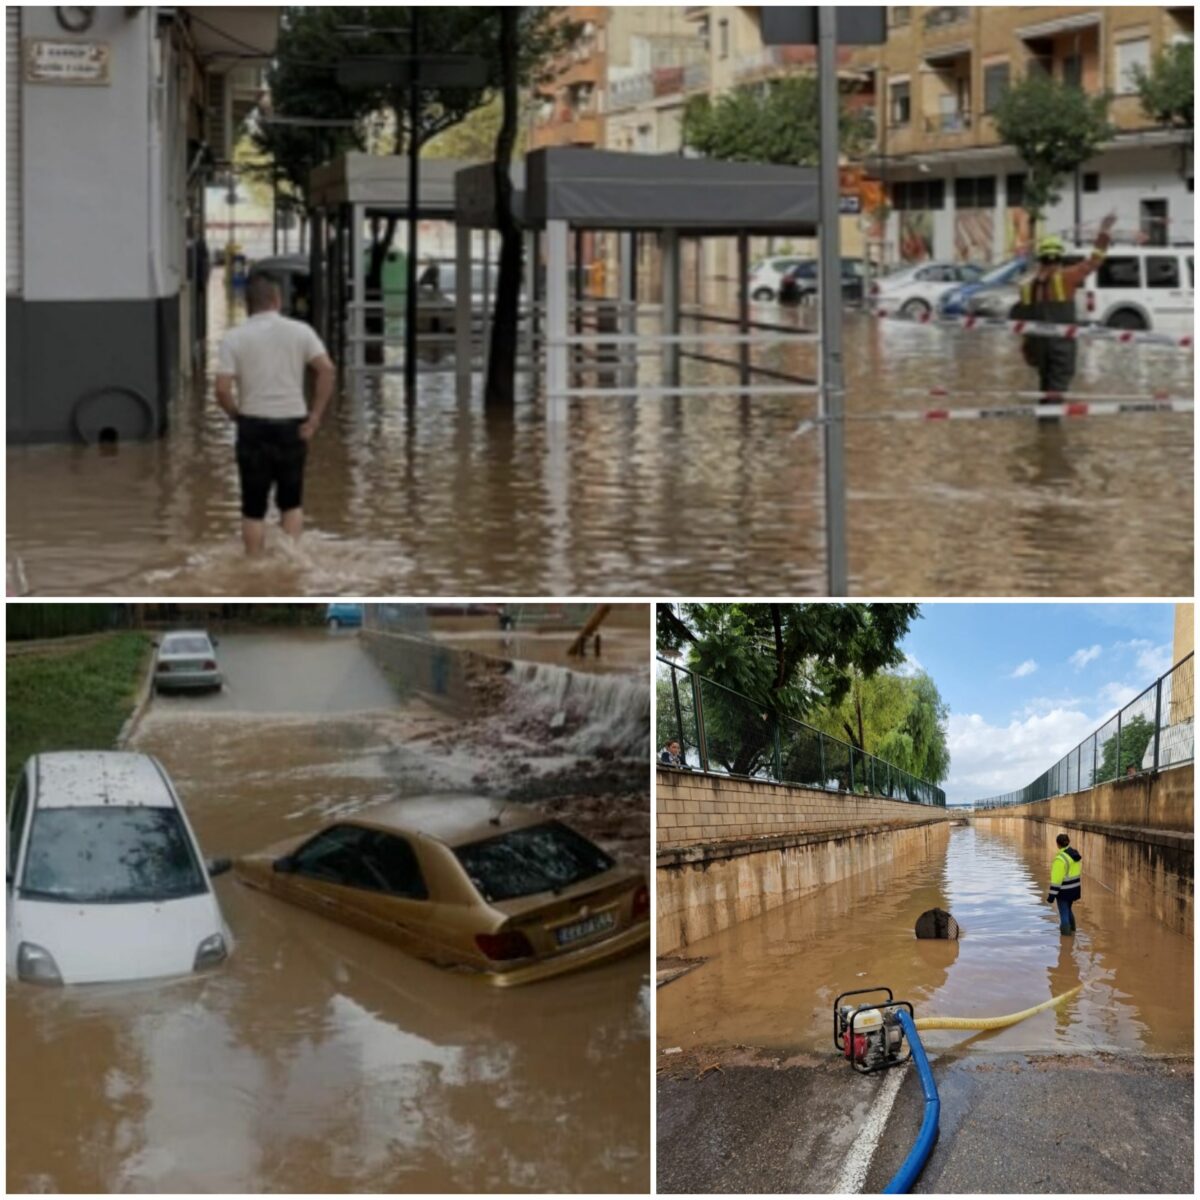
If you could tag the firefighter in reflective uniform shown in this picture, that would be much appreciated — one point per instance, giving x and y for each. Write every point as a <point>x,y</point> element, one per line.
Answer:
<point>1066,883</point>
<point>1049,295</point>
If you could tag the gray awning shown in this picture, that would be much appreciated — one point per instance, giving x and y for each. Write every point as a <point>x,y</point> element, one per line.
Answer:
<point>605,189</point>
<point>381,181</point>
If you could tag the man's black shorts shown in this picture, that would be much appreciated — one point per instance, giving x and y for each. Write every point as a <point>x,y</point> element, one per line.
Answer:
<point>270,454</point>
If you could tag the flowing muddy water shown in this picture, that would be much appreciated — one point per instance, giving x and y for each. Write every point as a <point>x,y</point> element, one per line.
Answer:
<point>771,981</point>
<point>651,497</point>
<point>319,1059</point>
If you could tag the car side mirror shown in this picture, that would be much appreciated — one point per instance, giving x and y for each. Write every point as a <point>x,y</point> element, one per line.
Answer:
<point>218,866</point>
<point>154,641</point>
<point>284,865</point>
<point>216,642</point>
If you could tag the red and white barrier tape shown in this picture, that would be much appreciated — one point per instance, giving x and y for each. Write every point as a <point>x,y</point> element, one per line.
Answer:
<point>1041,412</point>
<point>1099,333</point>
<point>938,393</point>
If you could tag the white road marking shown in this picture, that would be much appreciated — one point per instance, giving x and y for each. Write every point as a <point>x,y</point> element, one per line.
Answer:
<point>858,1162</point>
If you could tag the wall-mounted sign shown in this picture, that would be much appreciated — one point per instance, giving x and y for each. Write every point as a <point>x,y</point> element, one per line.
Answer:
<point>850,204</point>
<point>80,63</point>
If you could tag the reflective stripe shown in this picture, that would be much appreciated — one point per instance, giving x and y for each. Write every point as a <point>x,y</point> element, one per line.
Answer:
<point>1059,289</point>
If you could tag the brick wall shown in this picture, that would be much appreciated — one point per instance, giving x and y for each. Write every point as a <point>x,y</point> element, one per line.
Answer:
<point>694,809</point>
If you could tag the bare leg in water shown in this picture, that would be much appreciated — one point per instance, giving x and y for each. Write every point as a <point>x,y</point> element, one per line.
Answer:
<point>254,534</point>
<point>292,522</point>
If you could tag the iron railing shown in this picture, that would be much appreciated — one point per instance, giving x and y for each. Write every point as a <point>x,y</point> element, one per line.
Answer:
<point>1154,730</point>
<point>732,735</point>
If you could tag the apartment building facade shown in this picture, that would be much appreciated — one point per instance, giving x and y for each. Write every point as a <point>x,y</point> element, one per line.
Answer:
<point>569,110</point>
<point>955,191</point>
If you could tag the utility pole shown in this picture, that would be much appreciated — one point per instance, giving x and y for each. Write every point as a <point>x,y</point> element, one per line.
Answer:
<point>832,365</point>
<point>414,193</point>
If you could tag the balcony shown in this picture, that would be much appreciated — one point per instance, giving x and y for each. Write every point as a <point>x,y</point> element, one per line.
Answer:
<point>771,60</point>
<point>948,122</point>
<point>635,90</point>
<point>938,18</point>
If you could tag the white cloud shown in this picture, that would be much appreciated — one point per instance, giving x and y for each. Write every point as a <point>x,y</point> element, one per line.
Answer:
<point>910,666</point>
<point>1040,705</point>
<point>1026,668</point>
<point>1117,695</point>
<point>987,759</point>
<point>1082,657</point>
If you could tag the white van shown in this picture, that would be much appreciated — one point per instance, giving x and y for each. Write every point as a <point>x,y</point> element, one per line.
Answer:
<point>1141,287</point>
<point>105,878</point>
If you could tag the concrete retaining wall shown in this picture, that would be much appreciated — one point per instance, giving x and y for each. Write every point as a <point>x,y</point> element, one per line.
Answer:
<point>701,890</point>
<point>441,674</point>
<point>1147,869</point>
<point>1151,801</point>
<point>694,808</point>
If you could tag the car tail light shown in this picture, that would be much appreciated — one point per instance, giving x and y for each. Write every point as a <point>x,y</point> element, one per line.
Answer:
<point>36,965</point>
<point>1091,302</point>
<point>504,946</point>
<point>209,665</point>
<point>163,667</point>
<point>641,903</point>
<point>874,289</point>
<point>210,952</point>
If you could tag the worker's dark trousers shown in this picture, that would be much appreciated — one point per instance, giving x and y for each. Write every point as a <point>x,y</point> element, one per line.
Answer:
<point>1056,365</point>
<point>1066,918</point>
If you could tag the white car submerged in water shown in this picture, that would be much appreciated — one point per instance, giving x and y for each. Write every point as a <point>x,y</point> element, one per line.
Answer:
<point>105,878</point>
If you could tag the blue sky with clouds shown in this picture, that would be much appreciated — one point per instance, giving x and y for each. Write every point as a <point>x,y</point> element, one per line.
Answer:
<point>1027,682</point>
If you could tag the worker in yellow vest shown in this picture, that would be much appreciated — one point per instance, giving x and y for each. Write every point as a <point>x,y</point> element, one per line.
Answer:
<point>1066,883</point>
<point>1049,295</point>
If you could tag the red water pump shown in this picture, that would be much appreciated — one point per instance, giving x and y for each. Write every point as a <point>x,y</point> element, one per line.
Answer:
<point>868,1034</point>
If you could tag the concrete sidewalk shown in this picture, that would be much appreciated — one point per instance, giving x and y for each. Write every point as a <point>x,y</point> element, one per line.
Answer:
<point>742,1122</point>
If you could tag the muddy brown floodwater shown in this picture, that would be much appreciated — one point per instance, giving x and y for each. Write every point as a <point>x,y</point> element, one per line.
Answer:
<point>650,497</point>
<point>318,1059</point>
<point>771,981</point>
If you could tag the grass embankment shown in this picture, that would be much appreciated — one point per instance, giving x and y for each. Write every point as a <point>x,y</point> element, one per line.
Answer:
<point>73,699</point>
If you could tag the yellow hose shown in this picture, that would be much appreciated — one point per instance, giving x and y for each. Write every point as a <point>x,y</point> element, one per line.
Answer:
<point>990,1022</point>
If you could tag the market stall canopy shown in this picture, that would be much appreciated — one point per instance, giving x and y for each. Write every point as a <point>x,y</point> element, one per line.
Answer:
<point>606,189</point>
<point>380,181</point>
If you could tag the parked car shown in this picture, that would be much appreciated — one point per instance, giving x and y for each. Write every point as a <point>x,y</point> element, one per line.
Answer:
<point>803,280</point>
<point>767,275</point>
<point>915,290</point>
<point>953,302</point>
<point>999,301</point>
<point>467,882</point>
<point>186,661</point>
<point>105,878</point>
<point>1141,287</point>
<point>343,616</point>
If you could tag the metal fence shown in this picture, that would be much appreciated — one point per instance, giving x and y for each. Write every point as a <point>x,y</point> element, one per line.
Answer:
<point>724,732</point>
<point>1153,731</point>
<point>28,621</point>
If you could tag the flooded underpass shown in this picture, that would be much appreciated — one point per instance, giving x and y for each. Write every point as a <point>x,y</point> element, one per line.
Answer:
<point>317,1058</point>
<point>447,498</point>
<point>753,1096</point>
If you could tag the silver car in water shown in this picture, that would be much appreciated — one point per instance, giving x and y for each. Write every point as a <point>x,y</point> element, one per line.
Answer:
<point>187,659</point>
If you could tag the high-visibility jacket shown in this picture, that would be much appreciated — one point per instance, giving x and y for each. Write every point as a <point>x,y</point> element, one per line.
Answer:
<point>1066,874</point>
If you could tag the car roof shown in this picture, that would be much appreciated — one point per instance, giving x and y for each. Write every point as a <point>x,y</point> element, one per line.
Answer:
<point>456,820</point>
<point>182,633</point>
<point>87,778</point>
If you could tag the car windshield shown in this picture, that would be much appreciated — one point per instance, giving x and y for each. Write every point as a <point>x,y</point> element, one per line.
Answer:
<point>971,273</point>
<point>110,855</point>
<point>187,645</point>
<point>1004,272</point>
<point>523,862</point>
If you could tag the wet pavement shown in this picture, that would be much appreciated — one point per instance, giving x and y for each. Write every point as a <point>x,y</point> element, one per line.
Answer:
<point>699,496</point>
<point>771,981</point>
<point>1097,1092</point>
<point>319,1059</point>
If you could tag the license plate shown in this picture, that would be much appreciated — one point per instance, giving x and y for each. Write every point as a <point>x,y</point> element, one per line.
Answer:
<point>566,934</point>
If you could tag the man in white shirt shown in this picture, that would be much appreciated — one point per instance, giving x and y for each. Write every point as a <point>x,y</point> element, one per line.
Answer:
<point>267,355</point>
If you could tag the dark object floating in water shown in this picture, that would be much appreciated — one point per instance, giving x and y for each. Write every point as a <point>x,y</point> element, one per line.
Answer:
<point>937,923</point>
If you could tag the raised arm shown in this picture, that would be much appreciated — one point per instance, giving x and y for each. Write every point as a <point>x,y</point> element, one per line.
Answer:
<point>1080,271</point>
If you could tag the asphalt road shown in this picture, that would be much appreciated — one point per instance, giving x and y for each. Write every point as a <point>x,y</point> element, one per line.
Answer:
<point>1009,1124</point>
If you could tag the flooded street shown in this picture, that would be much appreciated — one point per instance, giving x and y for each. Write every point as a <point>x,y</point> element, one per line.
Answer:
<point>317,1059</point>
<point>651,496</point>
<point>771,981</point>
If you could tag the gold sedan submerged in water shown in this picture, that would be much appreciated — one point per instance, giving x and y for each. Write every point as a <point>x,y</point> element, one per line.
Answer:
<point>467,882</point>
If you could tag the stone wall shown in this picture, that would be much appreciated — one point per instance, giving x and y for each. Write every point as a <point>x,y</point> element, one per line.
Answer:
<point>693,809</point>
<point>1149,801</point>
<point>701,890</point>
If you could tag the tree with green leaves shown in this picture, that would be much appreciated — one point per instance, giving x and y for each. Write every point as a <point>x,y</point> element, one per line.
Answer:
<point>1055,127</point>
<point>303,82</point>
<point>1115,760</point>
<point>767,661</point>
<point>898,718</point>
<point>1168,92</point>
<point>776,122</point>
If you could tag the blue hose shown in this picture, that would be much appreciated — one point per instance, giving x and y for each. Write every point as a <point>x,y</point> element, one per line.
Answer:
<point>904,1178</point>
